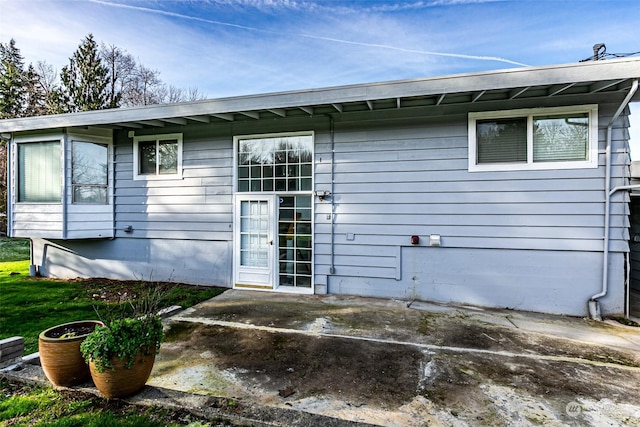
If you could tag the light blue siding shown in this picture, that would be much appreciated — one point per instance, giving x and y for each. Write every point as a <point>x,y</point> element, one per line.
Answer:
<point>509,239</point>
<point>529,240</point>
<point>504,278</point>
<point>63,220</point>
<point>196,207</point>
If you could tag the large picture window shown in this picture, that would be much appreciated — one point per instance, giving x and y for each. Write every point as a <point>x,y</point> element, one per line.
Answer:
<point>39,172</point>
<point>89,172</point>
<point>545,138</point>
<point>158,156</point>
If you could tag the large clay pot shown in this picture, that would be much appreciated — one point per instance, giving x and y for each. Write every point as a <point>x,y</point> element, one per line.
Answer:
<point>120,381</point>
<point>60,355</point>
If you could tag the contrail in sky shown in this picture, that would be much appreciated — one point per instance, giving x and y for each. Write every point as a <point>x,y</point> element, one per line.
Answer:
<point>309,36</point>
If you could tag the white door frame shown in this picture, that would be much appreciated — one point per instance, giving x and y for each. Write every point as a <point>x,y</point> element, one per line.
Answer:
<point>255,277</point>
<point>259,278</point>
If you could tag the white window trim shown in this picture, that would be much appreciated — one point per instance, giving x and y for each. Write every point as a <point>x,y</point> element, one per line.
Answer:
<point>72,185</point>
<point>136,166</point>
<point>238,138</point>
<point>591,162</point>
<point>14,184</point>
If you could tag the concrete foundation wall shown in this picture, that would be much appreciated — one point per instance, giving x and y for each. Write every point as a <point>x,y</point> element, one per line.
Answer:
<point>557,282</point>
<point>186,261</point>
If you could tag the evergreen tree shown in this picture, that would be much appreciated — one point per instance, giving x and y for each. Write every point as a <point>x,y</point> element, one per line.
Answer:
<point>85,79</point>
<point>12,81</point>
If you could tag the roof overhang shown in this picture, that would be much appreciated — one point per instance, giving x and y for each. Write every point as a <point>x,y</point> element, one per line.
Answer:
<point>585,78</point>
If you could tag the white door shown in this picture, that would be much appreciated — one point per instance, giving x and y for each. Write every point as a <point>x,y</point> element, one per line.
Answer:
<point>254,249</point>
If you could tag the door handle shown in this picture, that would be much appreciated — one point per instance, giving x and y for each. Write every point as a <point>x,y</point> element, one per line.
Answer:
<point>271,242</point>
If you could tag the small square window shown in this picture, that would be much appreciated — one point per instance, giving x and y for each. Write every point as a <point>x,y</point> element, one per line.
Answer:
<point>158,156</point>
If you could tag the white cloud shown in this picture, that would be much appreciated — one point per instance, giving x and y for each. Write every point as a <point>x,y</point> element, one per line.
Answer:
<point>233,47</point>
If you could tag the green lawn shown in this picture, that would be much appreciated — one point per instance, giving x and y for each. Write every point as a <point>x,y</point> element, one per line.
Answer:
<point>30,405</point>
<point>14,249</point>
<point>29,305</point>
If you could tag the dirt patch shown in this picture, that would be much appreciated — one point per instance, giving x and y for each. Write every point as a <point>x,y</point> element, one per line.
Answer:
<point>118,291</point>
<point>70,331</point>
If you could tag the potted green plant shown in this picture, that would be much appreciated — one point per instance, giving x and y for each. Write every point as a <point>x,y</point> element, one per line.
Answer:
<point>60,356</point>
<point>121,354</point>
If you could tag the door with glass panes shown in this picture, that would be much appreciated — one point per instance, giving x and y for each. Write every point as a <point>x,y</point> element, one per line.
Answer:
<point>273,239</point>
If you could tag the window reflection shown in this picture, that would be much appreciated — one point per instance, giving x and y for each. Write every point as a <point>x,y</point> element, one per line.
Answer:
<point>89,172</point>
<point>286,158</point>
<point>295,241</point>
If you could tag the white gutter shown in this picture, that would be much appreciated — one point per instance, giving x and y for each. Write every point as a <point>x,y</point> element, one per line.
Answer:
<point>594,304</point>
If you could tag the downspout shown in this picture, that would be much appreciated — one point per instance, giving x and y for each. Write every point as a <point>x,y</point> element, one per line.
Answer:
<point>333,206</point>
<point>627,310</point>
<point>594,304</point>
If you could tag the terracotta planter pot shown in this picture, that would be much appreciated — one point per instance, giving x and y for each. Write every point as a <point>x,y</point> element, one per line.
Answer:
<point>120,381</point>
<point>60,355</point>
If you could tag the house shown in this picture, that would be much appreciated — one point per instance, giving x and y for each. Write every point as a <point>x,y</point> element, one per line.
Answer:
<point>500,189</point>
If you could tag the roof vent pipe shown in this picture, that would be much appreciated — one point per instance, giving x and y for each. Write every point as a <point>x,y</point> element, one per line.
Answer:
<point>596,51</point>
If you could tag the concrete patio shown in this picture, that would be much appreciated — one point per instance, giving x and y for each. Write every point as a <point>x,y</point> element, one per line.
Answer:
<point>278,359</point>
<point>389,362</point>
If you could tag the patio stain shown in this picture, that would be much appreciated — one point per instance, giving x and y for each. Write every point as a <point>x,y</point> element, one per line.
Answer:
<point>260,362</point>
<point>178,367</point>
<point>358,377</point>
<point>325,357</point>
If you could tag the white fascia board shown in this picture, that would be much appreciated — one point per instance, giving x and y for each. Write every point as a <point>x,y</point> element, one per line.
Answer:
<point>623,68</point>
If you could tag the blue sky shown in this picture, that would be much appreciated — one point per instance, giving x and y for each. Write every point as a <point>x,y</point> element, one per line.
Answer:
<point>238,47</point>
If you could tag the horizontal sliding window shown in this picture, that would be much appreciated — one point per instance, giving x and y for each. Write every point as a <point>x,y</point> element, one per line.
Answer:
<point>543,138</point>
